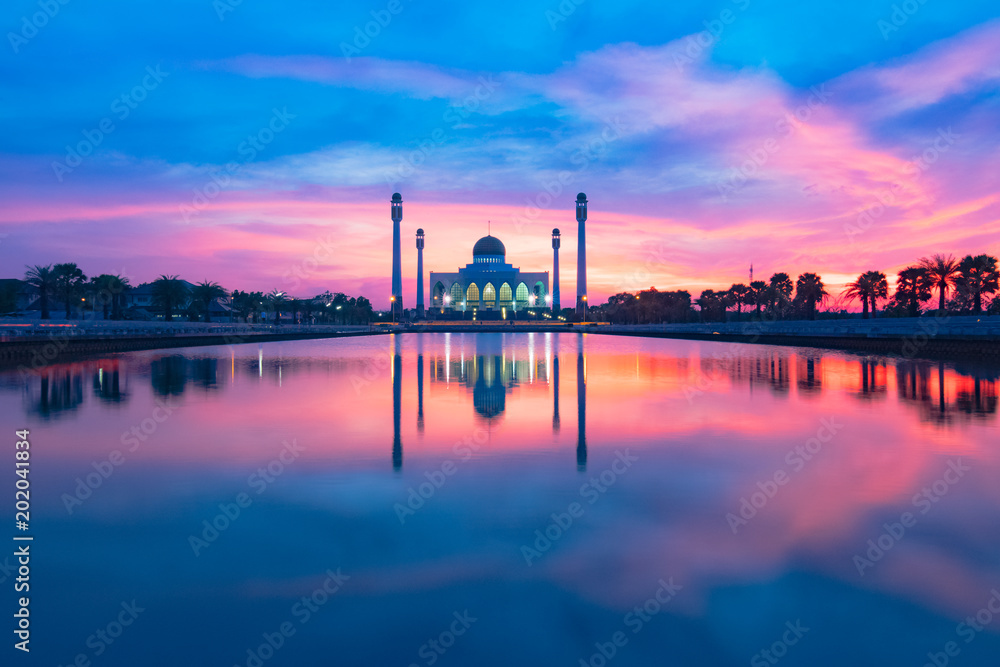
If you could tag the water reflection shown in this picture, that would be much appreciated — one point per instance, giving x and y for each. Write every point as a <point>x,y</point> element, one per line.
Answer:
<point>490,368</point>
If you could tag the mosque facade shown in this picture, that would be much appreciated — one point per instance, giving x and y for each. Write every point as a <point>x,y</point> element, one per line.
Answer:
<point>488,287</point>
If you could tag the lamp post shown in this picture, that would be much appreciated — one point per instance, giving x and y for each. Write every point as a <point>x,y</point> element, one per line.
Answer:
<point>392,301</point>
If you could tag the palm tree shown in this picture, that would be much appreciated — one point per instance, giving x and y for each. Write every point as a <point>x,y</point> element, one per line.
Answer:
<point>739,292</point>
<point>913,285</point>
<point>69,280</point>
<point>204,293</point>
<point>109,290</point>
<point>169,293</point>
<point>979,276</point>
<point>809,289</point>
<point>879,288</point>
<point>277,301</point>
<point>870,287</point>
<point>860,289</point>
<point>781,291</point>
<point>943,269</point>
<point>43,279</point>
<point>759,294</point>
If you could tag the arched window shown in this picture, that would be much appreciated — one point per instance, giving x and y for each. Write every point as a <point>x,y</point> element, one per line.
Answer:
<point>472,296</point>
<point>505,296</point>
<point>539,294</point>
<point>457,296</point>
<point>522,296</point>
<point>437,295</point>
<point>489,296</point>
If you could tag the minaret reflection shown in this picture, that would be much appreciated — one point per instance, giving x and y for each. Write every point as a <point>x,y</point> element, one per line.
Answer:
<point>555,383</point>
<point>397,390</point>
<point>420,384</point>
<point>581,408</point>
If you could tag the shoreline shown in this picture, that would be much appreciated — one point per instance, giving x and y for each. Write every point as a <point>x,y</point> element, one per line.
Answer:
<point>959,338</point>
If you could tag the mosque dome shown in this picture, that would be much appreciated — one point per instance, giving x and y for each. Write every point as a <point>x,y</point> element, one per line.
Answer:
<point>489,245</point>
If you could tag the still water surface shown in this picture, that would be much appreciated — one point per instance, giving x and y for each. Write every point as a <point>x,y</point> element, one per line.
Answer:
<point>510,499</point>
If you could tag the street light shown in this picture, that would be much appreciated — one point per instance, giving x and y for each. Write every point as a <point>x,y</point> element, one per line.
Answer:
<point>585,308</point>
<point>392,304</point>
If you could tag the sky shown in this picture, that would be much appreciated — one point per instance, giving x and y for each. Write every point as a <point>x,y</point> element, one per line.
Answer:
<point>257,144</point>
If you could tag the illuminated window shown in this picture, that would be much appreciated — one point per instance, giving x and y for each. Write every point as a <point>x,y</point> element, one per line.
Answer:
<point>472,296</point>
<point>489,296</point>
<point>456,296</point>
<point>505,295</point>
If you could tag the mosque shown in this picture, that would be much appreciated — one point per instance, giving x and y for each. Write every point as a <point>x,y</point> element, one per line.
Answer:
<point>489,287</point>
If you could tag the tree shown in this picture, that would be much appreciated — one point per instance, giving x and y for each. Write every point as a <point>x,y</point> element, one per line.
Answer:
<point>810,290</point>
<point>276,300</point>
<point>712,305</point>
<point>860,289</point>
<point>913,286</point>
<point>943,269</point>
<point>978,276</point>
<point>759,294</point>
<point>69,283</point>
<point>870,287</point>
<point>879,288</point>
<point>109,290</point>
<point>169,293</point>
<point>738,293</point>
<point>204,293</point>
<point>43,279</point>
<point>780,292</point>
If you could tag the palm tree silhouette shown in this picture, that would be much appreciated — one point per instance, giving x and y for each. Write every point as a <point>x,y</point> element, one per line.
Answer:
<point>869,287</point>
<point>69,281</point>
<point>43,279</point>
<point>277,300</point>
<point>943,269</point>
<point>979,276</point>
<point>759,294</point>
<point>739,292</point>
<point>913,285</point>
<point>809,289</point>
<point>781,292</point>
<point>169,292</point>
<point>204,293</point>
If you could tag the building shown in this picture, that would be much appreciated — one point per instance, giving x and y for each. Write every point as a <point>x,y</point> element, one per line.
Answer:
<point>489,287</point>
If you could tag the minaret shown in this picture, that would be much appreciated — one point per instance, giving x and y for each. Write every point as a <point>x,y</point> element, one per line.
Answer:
<point>581,254</point>
<point>397,269</point>
<point>555,271</point>
<point>420,274</point>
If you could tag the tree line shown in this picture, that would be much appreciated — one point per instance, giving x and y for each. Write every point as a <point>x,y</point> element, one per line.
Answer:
<point>961,286</point>
<point>173,297</point>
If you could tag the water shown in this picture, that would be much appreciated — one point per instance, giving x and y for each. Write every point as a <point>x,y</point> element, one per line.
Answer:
<point>515,499</point>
